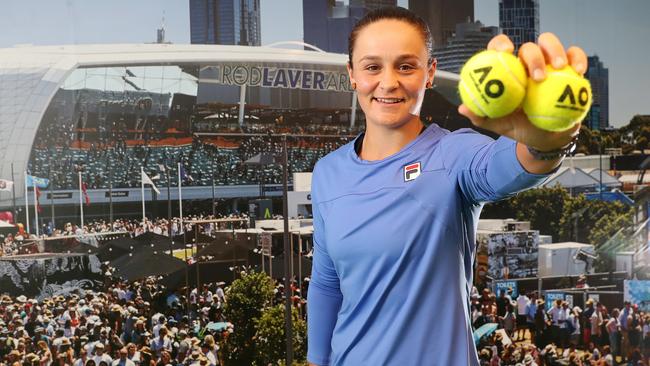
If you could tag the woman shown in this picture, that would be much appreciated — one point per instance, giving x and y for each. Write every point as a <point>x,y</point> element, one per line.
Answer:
<point>44,353</point>
<point>395,211</point>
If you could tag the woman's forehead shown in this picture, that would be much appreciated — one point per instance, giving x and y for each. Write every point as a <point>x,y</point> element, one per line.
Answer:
<point>389,37</point>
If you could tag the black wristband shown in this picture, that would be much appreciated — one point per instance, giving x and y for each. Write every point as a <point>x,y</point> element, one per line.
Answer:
<point>554,154</point>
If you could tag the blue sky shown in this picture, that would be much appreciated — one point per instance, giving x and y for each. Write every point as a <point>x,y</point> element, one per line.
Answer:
<point>617,31</point>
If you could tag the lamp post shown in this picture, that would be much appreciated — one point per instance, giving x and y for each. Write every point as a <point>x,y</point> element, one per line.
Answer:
<point>285,212</point>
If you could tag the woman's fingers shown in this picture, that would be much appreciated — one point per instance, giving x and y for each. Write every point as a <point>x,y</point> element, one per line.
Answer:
<point>531,55</point>
<point>577,59</point>
<point>553,50</point>
<point>502,43</point>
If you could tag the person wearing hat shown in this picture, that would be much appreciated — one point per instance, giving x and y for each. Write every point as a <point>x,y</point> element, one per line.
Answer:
<point>625,327</point>
<point>573,325</point>
<point>146,356</point>
<point>210,349</point>
<point>123,359</point>
<point>100,355</point>
<point>184,345</point>
<point>132,353</point>
<point>161,343</point>
<point>43,353</point>
<point>613,328</point>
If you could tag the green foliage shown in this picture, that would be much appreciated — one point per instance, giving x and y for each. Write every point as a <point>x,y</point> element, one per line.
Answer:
<point>603,230</point>
<point>247,298</point>
<point>633,136</point>
<point>543,207</point>
<point>580,216</point>
<point>554,212</point>
<point>270,337</point>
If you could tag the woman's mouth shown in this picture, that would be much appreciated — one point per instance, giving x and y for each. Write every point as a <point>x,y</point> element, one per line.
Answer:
<point>388,100</point>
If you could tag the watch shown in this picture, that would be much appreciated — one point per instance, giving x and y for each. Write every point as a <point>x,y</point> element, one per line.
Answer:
<point>554,154</point>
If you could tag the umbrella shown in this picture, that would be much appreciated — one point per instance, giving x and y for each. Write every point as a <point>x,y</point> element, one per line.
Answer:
<point>484,330</point>
<point>217,327</point>
<point>144,263</point>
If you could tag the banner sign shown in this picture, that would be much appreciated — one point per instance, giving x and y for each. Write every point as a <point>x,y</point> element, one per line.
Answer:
<point>280,77</point>
<point>59,195</point>
<point>505,286</point>
<point>117,194</point>
<point>551,297</point>
<point>637,292</point>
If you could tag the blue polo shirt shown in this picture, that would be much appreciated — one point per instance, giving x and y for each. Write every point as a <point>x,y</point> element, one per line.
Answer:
<point>394,243</point>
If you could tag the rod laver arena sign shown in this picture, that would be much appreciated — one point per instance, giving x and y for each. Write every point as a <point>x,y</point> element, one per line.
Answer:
<point>278,77</point>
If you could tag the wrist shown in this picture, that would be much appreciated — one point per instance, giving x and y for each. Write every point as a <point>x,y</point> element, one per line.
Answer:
<point>554,154</point>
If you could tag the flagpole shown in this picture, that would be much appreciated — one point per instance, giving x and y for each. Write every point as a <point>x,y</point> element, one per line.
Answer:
<point>52,200</point>
<point>36,210</point>
<point>13,190</point>
<point>26,203</point>
<point>142,191</point>
<point>81,202</point>
<point>180,197</point>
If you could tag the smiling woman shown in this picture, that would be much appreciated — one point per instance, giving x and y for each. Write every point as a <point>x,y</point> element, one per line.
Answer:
<point>395,210</point>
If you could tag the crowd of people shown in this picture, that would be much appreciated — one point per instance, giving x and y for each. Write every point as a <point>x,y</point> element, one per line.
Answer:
<point>125,324</point>
<point>536,334</point>
<point>59,153</point>
<point>11,243</point>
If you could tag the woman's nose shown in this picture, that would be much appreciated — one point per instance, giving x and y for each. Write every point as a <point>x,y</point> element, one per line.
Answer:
<point>388,80</point>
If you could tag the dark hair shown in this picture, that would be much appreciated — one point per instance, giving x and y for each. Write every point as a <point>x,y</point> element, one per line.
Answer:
<point>396,13</point>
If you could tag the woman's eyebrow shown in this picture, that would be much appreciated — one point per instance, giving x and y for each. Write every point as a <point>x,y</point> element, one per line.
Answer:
<point>407,56</point>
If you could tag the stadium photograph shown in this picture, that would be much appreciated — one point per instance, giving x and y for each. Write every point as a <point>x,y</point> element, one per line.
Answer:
<point>320,182</point>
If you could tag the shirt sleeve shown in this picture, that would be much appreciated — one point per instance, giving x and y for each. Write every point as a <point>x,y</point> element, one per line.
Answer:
<point>486,170</point>
<point>324,297</point>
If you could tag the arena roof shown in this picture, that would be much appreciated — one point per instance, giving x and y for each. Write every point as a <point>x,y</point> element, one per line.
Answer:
<point>30,76</point>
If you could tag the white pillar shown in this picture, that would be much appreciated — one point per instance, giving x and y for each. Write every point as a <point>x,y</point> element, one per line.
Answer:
<point>242,103</point>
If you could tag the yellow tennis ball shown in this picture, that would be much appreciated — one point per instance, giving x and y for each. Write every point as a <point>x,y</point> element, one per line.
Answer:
<point>492,83</point>
<point>559,101</point>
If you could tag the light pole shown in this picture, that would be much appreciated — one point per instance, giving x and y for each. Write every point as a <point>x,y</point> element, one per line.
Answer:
<point>287,290</point>
<point>213,210</point>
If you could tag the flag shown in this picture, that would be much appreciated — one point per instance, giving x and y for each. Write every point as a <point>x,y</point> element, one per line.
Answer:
<point>38,196</point>
<point>184,174</point>
<point>85,193</point>
<point>33,181</point>
<point>6,185</point>
<point>147,180</point>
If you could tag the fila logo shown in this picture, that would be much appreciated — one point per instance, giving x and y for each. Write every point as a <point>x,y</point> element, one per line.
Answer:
<point>411,171</point>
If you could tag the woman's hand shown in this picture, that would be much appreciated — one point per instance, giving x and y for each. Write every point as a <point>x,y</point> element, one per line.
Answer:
<point>535,57</point>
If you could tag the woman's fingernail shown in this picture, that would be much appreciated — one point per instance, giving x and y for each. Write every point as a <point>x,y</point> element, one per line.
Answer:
<point>538,75</point>
<point>559,62</point>
<point>579,67</point>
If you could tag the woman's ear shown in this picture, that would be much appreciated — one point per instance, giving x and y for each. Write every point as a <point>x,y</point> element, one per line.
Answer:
<point>353,83</point>
<point>431,71</point>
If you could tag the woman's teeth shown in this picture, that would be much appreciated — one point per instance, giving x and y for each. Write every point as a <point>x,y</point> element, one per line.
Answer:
<point>389,100</point>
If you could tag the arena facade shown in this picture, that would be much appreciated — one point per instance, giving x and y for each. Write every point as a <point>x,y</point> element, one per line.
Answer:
<point>64,106</point>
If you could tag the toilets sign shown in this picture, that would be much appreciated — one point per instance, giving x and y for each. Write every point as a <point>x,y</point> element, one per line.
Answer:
<point>278,77</point>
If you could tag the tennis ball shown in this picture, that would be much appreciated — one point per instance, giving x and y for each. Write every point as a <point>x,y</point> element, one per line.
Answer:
<point>559,101</point>
<point>492,83</point>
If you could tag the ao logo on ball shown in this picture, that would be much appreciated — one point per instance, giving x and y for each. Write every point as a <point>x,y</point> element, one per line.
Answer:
<point>492,84</point>
<point>583,98</point>
<point>494,87</point>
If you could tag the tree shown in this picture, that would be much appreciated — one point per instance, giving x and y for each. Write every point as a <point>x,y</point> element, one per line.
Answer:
<point>247,298</point>
<point>270,336</point>
<point>543,207</point>
<point>581,215</point>
<point>606,227</point>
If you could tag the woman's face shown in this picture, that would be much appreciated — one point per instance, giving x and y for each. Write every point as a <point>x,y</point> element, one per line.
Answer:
<point>390,71</point>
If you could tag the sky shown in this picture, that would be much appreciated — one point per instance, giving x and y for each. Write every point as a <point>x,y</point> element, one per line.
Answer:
<point>617,31</point>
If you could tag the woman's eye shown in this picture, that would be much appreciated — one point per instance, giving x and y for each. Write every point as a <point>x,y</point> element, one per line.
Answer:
<point>406,67</point>
<point>372,67</point>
